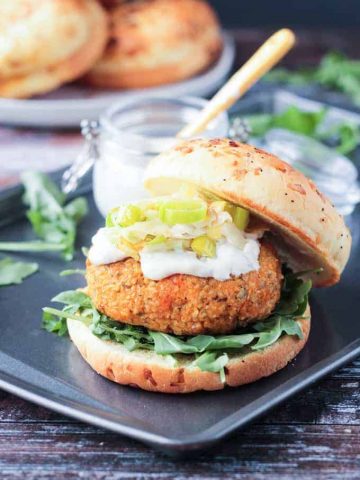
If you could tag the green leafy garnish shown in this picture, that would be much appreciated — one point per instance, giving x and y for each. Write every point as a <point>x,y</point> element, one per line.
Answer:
<point>72,271</point>
<point>52,220</point>
<point>292,119</point>
<point>211,362</point>
<point>13,272</point>
<point>335,71</point>
<point>211,353</point>
<point>345,134</point>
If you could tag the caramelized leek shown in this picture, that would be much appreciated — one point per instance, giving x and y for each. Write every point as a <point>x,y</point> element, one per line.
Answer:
<point>204,246</point>
<point>239,215</point>
<point>182,211</point>
<point>125,216</point>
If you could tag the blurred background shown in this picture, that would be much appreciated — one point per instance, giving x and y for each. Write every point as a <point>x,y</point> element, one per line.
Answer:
<point>293,13</point>
<point>40,123</point>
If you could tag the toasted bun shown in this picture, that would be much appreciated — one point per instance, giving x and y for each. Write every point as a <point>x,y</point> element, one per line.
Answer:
<point>153,372</point>
<point>306,229</point>
<point>45,43</point>
<point>157,42</point>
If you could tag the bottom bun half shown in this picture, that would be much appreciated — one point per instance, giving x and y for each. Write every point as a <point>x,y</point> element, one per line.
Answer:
<point>156,373</point>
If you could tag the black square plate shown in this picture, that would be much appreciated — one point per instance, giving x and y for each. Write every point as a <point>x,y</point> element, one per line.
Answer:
<point>49,371</point>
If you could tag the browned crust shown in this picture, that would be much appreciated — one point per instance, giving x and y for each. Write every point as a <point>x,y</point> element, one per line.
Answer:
<point>146,78</point>
<point>306,225</point>
<point>45,79</point>
<point>184,39</point>
<point>185,304</point>
<point>150,372</point>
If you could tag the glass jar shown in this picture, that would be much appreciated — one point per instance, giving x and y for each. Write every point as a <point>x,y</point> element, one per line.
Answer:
<point>127,136</point>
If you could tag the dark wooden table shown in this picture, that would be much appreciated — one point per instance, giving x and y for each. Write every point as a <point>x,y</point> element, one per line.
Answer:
<point>316,435</point>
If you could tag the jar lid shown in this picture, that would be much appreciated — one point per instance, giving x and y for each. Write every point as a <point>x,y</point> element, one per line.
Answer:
<point>335,175</point>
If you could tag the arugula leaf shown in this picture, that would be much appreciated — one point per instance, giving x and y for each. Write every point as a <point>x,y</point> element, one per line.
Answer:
<point>52,221</point>
<point>13,272</point>
<point>213,362</point>
<point>73,297</point>
<point>335,71</point>
<point>54,324</point>
<point>35,246</point>
<point>223,342</point>
<point>294,295</point>
<point>345,134</point>
<point>72,271</point>
<point>211,352</point>
<point>270,332</point>
<point>168,344</point>
<point>292,119</point>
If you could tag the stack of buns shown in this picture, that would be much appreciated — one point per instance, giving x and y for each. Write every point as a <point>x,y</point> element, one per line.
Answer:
<point>107,43</point>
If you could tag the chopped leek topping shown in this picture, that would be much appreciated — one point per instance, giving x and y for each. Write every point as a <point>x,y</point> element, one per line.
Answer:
<point>239,215</point>
<point>177,223</point>
<point>158,240</point>
<point>182,211</point>
<point>215,232</point>
<point>124,216</point>
<point>204,246</point>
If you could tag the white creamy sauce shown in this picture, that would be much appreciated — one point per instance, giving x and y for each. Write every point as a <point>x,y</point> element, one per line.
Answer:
<point>102,251</point>
<point>229,260</point>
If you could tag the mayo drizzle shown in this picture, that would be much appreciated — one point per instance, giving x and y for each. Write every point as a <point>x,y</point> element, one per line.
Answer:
<point>103,251</point>
<point>229,260</point>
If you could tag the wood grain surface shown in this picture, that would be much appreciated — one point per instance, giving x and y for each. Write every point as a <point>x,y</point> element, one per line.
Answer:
<point>315,435</point>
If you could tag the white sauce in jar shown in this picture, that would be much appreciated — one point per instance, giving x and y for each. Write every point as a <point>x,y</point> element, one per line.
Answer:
<point>229,260</point>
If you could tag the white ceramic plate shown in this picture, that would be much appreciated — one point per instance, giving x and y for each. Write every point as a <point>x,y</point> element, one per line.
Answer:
<point>68,105</point>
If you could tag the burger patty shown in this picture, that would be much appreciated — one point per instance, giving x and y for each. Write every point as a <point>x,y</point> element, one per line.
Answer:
<point>185,304</point>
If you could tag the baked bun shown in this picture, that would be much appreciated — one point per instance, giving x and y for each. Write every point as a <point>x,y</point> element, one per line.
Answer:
<point>306,229</point>
<point>150,371</point>
<point>45,43</point>
<point>157,42</point>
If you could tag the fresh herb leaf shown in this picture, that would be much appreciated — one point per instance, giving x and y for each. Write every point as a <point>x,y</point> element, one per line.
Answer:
<point>72,271</point>
<point>270,332</point>
<point>222,342</point>
<point>335,71</point>
<point>213,362</point>
<point>292,119</point>
<point>35,246</point>
<point>211,352</point>
<point>73,297</point>
<point>345,135</point>
<point>13,272</point>
<point>169,344</point>
<point>54,324</point>
<point>52,221</point>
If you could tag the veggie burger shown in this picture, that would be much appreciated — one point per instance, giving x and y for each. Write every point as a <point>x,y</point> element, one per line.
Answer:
<point>206,283</point>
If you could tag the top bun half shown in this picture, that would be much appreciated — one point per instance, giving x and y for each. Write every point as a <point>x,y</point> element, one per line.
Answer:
<point>305,227</point>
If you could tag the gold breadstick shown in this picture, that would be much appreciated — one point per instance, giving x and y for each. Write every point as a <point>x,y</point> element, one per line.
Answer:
<point>261,62</point>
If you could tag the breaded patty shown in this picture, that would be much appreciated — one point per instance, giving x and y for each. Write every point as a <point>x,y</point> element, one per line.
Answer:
<point>185,304</point>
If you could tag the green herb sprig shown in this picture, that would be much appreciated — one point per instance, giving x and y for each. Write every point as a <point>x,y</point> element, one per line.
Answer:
<point>345,134</point>
<point>211,353</point>
<point>13,272</point>
<point>53,221</point>
<point>335,71</point>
